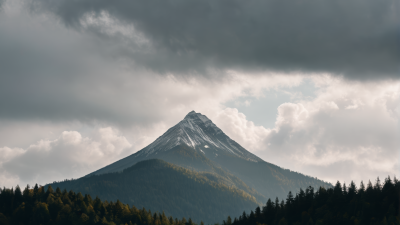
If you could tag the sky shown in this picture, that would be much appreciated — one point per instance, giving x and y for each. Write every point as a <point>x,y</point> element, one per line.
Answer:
<point>313,87</point>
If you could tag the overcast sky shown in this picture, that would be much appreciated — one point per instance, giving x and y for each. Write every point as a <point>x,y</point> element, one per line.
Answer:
<point>309,86</point>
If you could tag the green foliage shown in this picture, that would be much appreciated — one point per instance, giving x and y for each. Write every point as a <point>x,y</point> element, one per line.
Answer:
<point>47,208</point>
<point>161,186</point>
<point>375,205</point>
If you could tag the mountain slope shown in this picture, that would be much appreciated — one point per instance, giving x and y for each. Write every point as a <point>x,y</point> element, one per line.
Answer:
<point>195,131</point>
<point>213,149</point>
<point>268,179</point>
<point>161,186</point>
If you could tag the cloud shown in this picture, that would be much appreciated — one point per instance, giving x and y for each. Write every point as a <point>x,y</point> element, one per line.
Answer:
<point>50,73</point>
<point>69,156</point>
<point>139,68</point>
<point>348,132</point>
<point>321,137</point>
<point>9,153</point>
<point>357,39</point>
<point>240,129</point>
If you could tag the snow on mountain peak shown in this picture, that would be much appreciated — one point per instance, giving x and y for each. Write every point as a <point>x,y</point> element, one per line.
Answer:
<point>197,131</point>
<point>194,115</point>
<point>190,114</point>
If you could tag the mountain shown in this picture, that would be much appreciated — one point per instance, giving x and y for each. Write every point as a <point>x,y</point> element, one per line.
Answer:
<point>198,146</point>
<point>160,186</point>
<point>216,150</point>
<point>195,131</point>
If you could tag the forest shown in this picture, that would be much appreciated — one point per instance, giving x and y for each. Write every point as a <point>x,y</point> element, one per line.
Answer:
<point>37,206</point>
<point>376,204</point>
<point>161,186</point>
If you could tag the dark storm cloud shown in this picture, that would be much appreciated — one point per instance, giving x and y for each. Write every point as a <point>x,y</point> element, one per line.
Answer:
<point>48,73</point>
<point>359,39</point>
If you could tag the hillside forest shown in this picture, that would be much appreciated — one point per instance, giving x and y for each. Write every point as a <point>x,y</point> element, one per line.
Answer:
<point>160,186</point>
<point>40,206</point>
<point>376,204</point>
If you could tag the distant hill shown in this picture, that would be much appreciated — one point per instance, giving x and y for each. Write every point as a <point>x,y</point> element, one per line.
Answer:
<point>207,154</point>
<point>161,186</point>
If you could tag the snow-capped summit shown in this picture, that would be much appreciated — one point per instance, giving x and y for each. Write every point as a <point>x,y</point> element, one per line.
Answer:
<point>195,131</point>
<point>192,114</point>
<point>200,133</point>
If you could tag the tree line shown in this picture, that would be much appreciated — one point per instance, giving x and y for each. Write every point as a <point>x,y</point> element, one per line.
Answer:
<point>37,206</point>
<point>376,204</point>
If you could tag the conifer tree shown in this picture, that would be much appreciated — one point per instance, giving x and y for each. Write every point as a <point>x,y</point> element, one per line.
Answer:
<point>361,190</point>
<point>17,196</point>
<point>378,204</point>
<point>258,212</point>
<point>58,191</point>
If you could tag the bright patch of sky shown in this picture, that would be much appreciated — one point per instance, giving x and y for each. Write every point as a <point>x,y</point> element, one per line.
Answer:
<point>262,111</point>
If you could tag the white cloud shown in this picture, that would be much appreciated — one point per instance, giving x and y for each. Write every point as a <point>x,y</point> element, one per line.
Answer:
<point>69,156</point>
<point>237,127</point>
<point>348,132</point>
<point>7,153</point>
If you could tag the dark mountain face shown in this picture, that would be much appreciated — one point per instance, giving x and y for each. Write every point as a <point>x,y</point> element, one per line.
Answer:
<point>163,187</point>
<point>197,146</point>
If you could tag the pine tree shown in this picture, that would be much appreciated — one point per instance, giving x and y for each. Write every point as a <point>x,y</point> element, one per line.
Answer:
<point>252,217</point>
<point>352,190</point>
<point>277,204</point>
<point>17,196</point>
<point>244,216</point>
<point>258,212</point>
<point>378,185</point>
<point>289,198</point>
<point>361,190</point>
<point>26,194</point>
<point>337,190</point>
<point>35,190</point>
<point>58,192</point>
<point>268,212</point>
<point>344,189</point>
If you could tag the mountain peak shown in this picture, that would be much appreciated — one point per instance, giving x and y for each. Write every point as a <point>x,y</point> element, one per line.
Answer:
<point>201,134</point>
<point>190,114</point>
<point>193,116</point>
<point>195,131</point>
